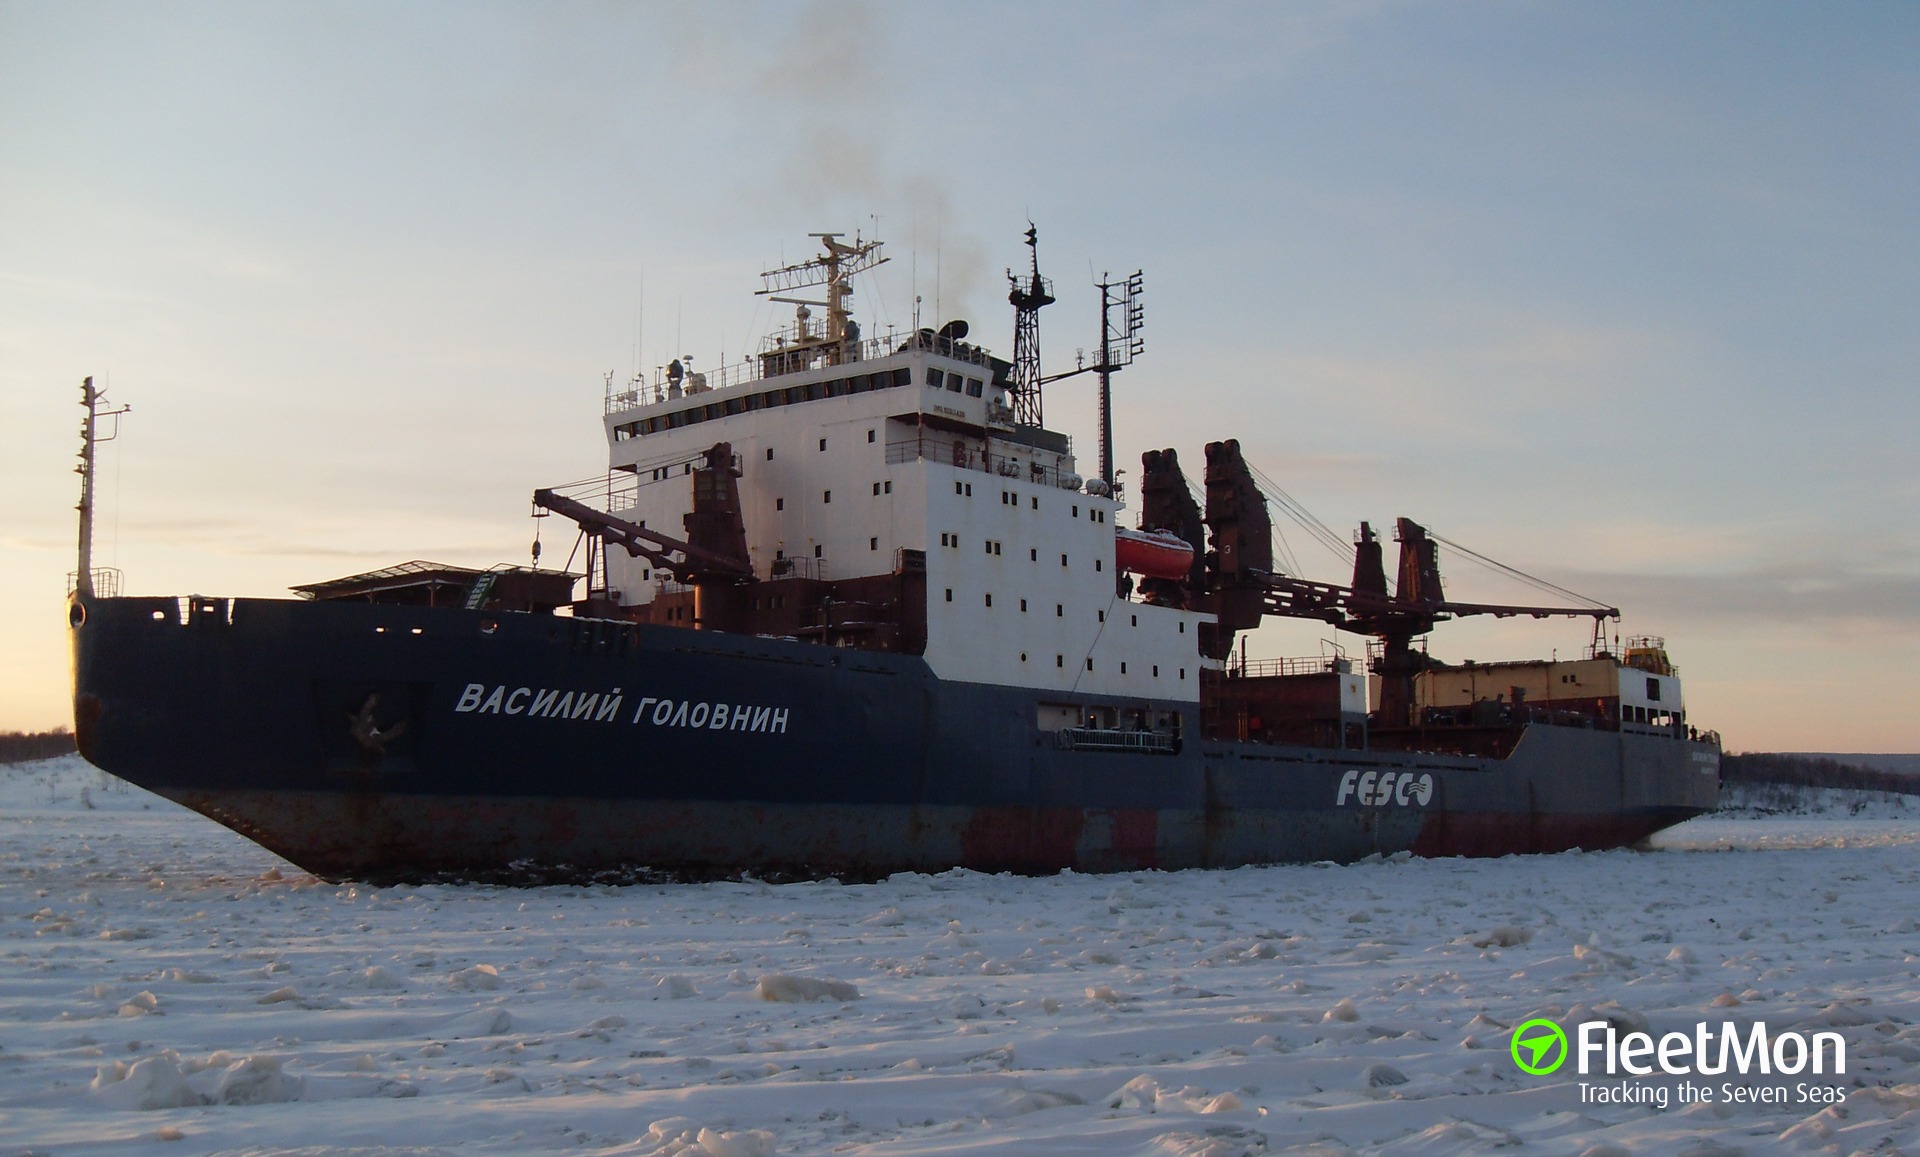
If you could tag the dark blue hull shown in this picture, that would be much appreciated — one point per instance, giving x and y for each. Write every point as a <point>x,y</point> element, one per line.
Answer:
<point>382,742</point>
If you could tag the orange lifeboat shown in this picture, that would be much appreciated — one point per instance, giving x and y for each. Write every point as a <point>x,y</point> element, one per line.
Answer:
<point>1153,553</point>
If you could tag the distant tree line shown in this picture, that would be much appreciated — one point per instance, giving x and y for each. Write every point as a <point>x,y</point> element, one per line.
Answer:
<point>20,746</point>
<point>1765,767</point>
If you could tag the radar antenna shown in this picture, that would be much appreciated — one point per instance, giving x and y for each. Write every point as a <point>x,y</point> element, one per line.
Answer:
<point>1027,300</point>
<point>833,269</point>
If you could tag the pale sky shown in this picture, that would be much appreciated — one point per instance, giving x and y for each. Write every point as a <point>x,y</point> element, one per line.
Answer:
<point>1626,295</point>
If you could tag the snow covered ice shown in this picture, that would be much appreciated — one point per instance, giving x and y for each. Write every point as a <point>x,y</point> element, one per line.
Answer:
<point>166,986</point>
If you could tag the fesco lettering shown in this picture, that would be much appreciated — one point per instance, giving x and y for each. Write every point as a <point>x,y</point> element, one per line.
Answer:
<point>1375,788</point>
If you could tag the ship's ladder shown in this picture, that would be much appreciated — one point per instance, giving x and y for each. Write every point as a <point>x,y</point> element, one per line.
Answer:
<point>482,587</point>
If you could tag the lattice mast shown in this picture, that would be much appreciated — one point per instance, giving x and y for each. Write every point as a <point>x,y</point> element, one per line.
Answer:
<point>1027,300</point>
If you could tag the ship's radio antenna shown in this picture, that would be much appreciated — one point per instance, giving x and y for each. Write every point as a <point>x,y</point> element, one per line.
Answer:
<point>1028,298</point>
<point>84,578</point>
<point>1120,343</point>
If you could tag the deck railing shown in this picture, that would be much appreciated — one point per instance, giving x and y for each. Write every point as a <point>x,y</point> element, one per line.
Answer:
<point>641,391</point>
<point>957,452</point>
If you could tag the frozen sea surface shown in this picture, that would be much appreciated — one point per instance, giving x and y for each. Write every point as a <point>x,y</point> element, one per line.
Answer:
<point>167,987</point>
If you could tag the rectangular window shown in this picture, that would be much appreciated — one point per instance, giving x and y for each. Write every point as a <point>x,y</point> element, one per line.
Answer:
<point>817,551</point>
<point>1089,662</point>
<point>989,599</point>
<point>1059,611</point>
<point>1063,560</point>
<point>1123,666</point>
<point>1136,620</point>
<point>1096,564</point>
<point>888,487</point>
<point>1059,660</point>
<point>1036,502</point>
<point>957,489</point>
<point>876,490</point>
<point>873,544</point>
<point>826,496</point>
<point>779,504</point>
<point>1156,670</point>
<point>949,594</point>
<point>823,443</point>
<point>973,387</point>
<point>1102,615</point>
<point>1023,606</point>
<point>869,436</point>
<point>969,490</point>
<point>1076,510</point>
<point>933,377</point>
<point>1033,554</point>
<point>1653,689</point>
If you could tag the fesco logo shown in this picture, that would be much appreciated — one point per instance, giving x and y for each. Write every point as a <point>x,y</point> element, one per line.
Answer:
<point>1370,788</point>
<point>1548,1040</point>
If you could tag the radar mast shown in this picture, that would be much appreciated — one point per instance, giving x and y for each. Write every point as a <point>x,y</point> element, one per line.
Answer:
<point>1027,300</point>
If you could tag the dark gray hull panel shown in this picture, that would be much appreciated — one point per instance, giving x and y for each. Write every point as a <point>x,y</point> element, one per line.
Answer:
<point>364,741</point>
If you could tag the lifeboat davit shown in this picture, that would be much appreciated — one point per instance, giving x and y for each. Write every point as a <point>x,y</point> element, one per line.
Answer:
<point>1153,553</point>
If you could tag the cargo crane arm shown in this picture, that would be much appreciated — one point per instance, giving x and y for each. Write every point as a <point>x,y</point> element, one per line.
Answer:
<point>1419,603</point>
<point>715,549</point>
<point>1395,619</point>
<point>1287,597</point>
<point>693,564</point>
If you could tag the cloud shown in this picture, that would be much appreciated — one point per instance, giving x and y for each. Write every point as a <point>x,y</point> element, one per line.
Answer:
<point>1805,593</point>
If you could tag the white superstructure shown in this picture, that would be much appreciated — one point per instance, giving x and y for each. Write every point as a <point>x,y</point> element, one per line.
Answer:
<point>854,454</point>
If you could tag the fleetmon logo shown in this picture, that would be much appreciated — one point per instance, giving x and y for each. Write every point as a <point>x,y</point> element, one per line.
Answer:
<point>1534,1042</point>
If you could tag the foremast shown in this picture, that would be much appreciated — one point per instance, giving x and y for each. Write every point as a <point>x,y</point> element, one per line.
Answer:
<point>85,579</point>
